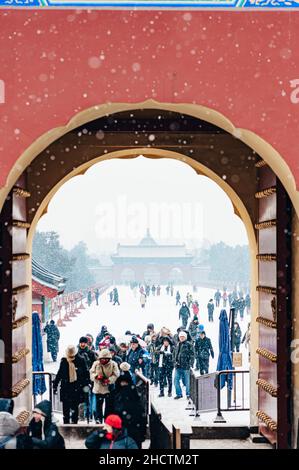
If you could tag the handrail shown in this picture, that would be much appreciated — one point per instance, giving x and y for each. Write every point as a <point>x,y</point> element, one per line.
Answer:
<point>219,417</point>
<point>50,375</point>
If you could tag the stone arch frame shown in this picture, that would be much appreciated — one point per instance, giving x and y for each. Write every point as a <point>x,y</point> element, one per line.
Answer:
<point>259,146</point>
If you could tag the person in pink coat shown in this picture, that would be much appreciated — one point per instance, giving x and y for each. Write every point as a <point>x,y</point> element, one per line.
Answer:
<point>195,308</point>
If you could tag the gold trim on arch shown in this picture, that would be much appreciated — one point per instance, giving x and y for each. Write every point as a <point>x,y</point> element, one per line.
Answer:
<point>259,145</point>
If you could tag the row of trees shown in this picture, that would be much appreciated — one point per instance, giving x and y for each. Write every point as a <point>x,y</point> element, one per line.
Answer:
<point>227,263</point>
<point>72,264</point>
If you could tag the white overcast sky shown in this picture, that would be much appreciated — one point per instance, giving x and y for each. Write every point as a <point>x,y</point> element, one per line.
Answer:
<point>116,200</point>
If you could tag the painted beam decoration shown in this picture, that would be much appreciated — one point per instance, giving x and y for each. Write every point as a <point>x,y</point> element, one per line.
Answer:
<point>147,4</point>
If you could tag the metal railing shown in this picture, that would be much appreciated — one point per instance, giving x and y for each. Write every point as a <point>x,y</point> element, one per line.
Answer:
<point>203,393</point>
<point>48,394</point>
<point>164,438</point>
<point>235,397</point>
<point>142,386</point>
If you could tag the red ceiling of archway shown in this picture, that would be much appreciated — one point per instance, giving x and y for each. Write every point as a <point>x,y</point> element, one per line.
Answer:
<point>56,63</point>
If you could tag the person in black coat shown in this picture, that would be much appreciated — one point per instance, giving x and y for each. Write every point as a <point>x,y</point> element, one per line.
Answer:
<point>203,350</point>
<point>73,375</point>
<point>97,295</point>
<point>43,432</point>
<point>101,335</point>
<point>183,361</point>
<point>184,314</point>
<point>126,403</point>
<point>115,357</point>
<point>135,356</point>
<point>149,331</point>
<point>85,352</point>
<point>53,336</point>
<point>237,335</point>
<point>165,365</point>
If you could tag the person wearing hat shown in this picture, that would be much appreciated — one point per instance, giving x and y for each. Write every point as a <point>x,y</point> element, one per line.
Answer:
<point>135,356</point>
<point>90,341</point>
<point>85,352</point>
<point>103,332</point>
<point>115,355</point>
<point>183,361</point>
<point>193,328</point>
<point>111,436</point>
<point>149,331</point>
<point>73,375</point>
<point>87,408</point>
<point>203,350</point>
<point>103,373</point>
<point>53,336</point>
<point>42,430</point>
<point>11,433</point>
<point>126,403</point>
<point>165,365</point>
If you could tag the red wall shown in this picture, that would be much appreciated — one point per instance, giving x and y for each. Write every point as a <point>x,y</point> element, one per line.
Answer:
<point>238,63</point>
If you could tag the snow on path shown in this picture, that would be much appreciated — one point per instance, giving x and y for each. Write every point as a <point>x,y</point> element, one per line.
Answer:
<point>160,310</point>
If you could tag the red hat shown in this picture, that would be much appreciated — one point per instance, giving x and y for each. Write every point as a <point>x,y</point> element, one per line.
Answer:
<point>114,421</point>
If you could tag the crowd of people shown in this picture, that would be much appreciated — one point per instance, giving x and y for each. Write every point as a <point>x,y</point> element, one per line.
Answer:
<point>98,377</point>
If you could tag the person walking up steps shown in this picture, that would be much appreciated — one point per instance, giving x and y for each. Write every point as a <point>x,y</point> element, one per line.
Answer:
<point>184,314</point>
<point>166,365</point>
<point>74,378</point>
<point>211,308</point>
<point>103,373</point>
<point>126,403</point>
<point>183,361</point>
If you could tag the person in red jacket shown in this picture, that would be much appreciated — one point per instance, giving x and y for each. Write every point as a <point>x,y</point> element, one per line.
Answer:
<point>195,308</point>
<point>111,436</point>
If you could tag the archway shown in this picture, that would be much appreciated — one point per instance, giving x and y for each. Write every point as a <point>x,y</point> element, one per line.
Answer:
<point>176,276</point>
<point>155,131</point>
<point>127,276</point>
<point>151,275</point>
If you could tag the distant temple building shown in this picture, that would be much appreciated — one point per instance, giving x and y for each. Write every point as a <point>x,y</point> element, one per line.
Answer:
<point>151,263</point>
<point>45,286</point>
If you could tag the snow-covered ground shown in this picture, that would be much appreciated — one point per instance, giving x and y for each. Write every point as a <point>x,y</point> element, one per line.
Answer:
<point>160,310</point>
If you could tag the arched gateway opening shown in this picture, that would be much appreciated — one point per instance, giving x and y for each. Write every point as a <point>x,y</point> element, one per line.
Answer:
<point>217,151</point>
